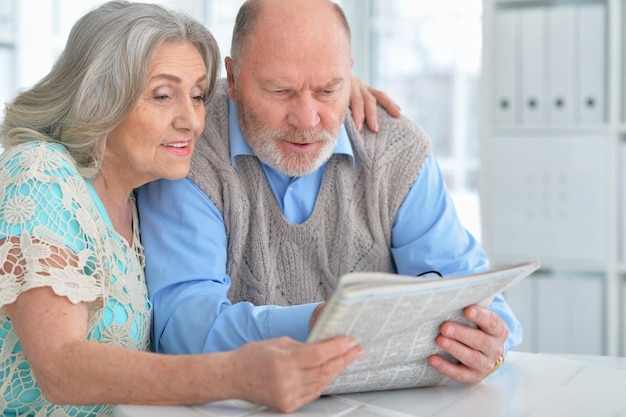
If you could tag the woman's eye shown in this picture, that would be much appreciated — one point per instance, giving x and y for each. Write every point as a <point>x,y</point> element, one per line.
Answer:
<point>201,99</point>
<point>161,97</point>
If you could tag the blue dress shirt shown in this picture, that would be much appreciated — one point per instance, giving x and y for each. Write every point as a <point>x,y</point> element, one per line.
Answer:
<point>186,253</point>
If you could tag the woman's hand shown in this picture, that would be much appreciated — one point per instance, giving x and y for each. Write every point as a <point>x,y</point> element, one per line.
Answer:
<point>363,100</point>
<point>284,374</point>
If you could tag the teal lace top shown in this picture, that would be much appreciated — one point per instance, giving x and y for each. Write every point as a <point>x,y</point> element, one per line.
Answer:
<point>46,207</point>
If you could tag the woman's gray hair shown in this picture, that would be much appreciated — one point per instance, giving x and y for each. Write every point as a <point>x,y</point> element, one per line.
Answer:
<point>99,77</point>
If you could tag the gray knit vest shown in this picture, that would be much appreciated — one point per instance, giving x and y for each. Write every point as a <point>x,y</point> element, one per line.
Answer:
<point>270,260</point>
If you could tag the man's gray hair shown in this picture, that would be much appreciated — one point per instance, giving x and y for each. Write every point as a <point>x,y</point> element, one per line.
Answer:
<point>245,24</point>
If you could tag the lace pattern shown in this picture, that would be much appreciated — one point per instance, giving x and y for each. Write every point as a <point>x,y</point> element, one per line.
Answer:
<point>55,233</point>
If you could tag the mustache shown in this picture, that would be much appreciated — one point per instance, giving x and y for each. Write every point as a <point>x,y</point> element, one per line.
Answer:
<point>299,136</point>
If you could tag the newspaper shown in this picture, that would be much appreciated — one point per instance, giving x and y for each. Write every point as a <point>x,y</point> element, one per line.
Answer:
<point>396,320</point>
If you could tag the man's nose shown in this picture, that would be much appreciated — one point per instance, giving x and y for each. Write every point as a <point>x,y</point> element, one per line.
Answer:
<point>304,113</point>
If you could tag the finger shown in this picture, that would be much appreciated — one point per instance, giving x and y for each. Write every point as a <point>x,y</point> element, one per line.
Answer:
<point>316,379</point>
<point>471,346</point>
<point>332,368</point>
<point>455,371</point>
<point>318,353</point>
<point>471,337</point>
<point>370,108</point>
<point>357,103</point>
<point>385,101</point>
<point>491,335</point>
<point>471,357</point>
<point>487,321</point>
<point>327,372</point>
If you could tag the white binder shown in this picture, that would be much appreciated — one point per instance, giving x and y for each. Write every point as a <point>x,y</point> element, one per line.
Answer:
<point>562,325</point>
<point>549,198</point>
<point>562,68</point>
<point>622,197</point>
<point>506,100</point>
<point>592,46</point>
<point>533,47</point>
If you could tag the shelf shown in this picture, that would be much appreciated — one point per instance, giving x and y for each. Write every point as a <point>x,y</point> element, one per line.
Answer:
<point>621,129</point>
<point>555,129</point>
<point>565,265</point>
<point>528,3</point>
<point>549,184</point>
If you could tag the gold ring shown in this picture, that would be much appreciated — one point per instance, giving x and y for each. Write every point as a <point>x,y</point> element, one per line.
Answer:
<point>499,362</point>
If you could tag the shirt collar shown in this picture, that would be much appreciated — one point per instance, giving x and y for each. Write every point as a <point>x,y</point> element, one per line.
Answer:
<point>239,145</point>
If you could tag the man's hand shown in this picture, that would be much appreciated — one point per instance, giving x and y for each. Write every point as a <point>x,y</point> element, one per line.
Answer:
<point>363,101</point>
<point>477,349</point>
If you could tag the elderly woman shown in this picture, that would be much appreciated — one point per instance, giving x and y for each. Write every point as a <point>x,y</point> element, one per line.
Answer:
<point>123,105</point>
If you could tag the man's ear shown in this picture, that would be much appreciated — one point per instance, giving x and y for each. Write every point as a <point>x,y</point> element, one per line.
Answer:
<point>230,77</point>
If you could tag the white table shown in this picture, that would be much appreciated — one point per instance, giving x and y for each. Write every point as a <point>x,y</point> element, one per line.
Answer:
<point>526,385</point>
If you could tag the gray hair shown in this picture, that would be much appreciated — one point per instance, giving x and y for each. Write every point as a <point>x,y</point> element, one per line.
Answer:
<point>245,24</point>
<point>99,77</point>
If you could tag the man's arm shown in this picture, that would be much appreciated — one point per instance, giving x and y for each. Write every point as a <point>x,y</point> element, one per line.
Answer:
<point>185,243</point>
<point>428,235</point>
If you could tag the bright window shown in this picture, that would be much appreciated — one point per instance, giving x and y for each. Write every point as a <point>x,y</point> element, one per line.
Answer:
<point>427,56</point>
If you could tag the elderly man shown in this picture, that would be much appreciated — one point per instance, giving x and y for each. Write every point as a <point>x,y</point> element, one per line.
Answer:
<point>285,195</point>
